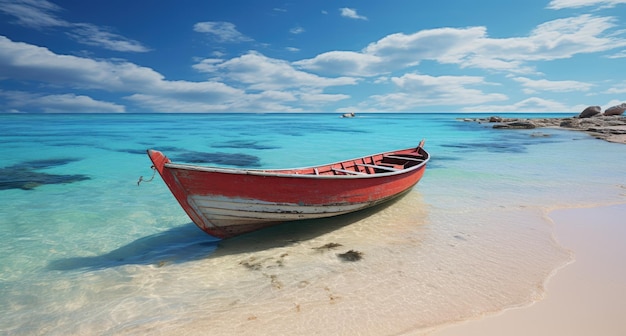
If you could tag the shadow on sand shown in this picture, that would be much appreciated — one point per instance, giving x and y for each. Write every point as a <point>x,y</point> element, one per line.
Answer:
<point>187,243</point>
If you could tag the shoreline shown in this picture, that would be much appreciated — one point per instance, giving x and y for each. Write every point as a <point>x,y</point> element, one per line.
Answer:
<point>608,128</point>
<point>584,296</point>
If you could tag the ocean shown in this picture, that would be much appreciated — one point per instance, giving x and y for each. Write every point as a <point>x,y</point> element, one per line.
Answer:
<point>88,251</point>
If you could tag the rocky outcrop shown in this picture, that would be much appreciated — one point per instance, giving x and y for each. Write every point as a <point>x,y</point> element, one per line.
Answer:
<point>590,112</point>
<point>615,110</point>
<point>610,128</point>
<point>516,125</point>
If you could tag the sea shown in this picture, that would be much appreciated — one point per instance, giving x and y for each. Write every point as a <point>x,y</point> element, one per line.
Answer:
<point>87,250</point>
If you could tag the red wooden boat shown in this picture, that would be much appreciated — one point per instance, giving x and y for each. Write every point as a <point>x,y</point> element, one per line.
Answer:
<point>227,202</point>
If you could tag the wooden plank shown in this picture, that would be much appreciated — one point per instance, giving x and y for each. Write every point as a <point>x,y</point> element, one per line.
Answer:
<point>351,172</point>
<point>404,158</point>
<point>377,167</point>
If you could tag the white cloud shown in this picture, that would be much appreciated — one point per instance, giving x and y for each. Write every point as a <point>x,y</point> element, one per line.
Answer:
<point>416,90</point>
<point>297,30</point>
<point>36,14</point>
<point>23,61</point>
<point>62,103</point>
<point>620,54</point>
<point>619,88</point>
<point>266,84</point>
<point>531,86</point>
<point>96,36</point>
<point>259,72</point>
<point>222,31</point>
<point>348,63</point>
<point>26,62</point>
<point>41,14</point>
<point>351,13</point>
<point>562,4</point>
<point>533,104</point>
<point>275,101</point>
<point>473,48</point>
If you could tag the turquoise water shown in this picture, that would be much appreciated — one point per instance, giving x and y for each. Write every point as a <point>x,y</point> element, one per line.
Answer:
<point>88,251</point>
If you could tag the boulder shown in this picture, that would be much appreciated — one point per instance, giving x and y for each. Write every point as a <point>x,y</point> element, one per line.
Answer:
<point>495,119</point>
<point>348,115</point>
<point>590,112</point>
<point>615,110</point>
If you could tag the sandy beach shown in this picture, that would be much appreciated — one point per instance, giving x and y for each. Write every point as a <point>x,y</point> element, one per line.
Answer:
<point>585,297</point>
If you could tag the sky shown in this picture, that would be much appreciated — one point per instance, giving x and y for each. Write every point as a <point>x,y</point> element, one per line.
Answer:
<point>145,56</point>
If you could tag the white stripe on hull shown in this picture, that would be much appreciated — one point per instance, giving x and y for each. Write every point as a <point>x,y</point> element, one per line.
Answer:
<point>221,211</point>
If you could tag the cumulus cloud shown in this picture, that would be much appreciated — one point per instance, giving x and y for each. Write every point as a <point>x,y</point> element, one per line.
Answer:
<point>418,90</point>
<point>534,104</point>
<point>562,4</point>
<point>42,14</point>
<point>28,62</point>
<point>62,103</point>
<point>531,86</point>
<point>473,48</point>
<point>351,13</point>
<point>259,72</point>
<point>221,31</point>
<point>258,81</point>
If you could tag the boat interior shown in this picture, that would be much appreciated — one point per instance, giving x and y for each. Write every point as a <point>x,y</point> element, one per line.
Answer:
<point>375,164</point>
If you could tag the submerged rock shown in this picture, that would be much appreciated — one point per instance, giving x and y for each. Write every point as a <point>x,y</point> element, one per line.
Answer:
<point>516,125</point>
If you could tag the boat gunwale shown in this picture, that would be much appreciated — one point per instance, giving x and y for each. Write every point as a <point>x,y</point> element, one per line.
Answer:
<point>277,172</point>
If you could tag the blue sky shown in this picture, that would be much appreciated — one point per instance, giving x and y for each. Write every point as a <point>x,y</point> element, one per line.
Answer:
<point>311,56</point>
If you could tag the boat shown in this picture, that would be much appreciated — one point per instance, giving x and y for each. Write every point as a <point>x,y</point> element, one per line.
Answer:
<point>226,202</point>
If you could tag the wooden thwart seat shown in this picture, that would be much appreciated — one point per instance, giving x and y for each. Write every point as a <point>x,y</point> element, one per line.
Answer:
<point>376,167</point>
<point>404,158</point>
<point>350,172</point>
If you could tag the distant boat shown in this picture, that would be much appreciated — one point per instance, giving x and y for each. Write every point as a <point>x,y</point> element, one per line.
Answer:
<point>226,202</point>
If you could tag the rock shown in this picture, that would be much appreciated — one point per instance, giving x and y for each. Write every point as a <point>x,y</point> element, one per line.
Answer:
<point>590,112</point>
<point>516,125</point>
<point>615,110</point>
<point>495,119</point>
<point>570,123</point>
<point>609,128</point>
<point>348,115</point>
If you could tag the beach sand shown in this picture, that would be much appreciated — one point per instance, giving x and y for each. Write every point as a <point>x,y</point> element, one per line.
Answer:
<point>585,297</point>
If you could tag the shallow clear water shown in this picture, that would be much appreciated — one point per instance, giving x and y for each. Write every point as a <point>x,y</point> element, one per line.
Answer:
<point>87,251</point>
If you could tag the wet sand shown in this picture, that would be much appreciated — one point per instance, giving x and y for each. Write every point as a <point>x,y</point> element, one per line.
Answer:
<point>585,297</point>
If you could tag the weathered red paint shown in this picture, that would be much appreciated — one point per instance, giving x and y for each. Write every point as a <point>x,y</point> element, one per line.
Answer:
<point>338,187</point>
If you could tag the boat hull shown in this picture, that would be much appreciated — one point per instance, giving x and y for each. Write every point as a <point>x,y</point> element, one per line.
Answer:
<point>228,202</point>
